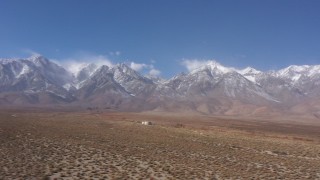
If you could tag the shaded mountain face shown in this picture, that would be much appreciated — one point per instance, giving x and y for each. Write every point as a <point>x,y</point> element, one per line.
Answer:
<point>132,81</point>
<point>35,73</point>
<point>85,72</point>
<point>211,89</point>
<point>305,78</point>
<point>214,80</point>
<point>280,88</point>
<point>35,76</point>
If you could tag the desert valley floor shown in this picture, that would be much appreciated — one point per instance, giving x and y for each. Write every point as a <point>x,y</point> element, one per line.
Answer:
<point>113,145</point>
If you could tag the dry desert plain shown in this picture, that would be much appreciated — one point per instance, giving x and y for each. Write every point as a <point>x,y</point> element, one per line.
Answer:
<point>47,144</point>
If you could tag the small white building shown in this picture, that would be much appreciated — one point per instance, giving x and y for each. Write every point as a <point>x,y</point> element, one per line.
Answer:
<point>146,123</point>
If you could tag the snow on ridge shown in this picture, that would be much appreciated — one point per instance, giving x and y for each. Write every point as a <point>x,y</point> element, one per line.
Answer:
<point>35,57</point>
<point>25,69</point>
<point>68,86</point>
<point>217,66</point>
<point>314,70</point>
<point>248,70</point>
<point>7,61</point>
<point>295,72</point>
<point>214,66</point>
<point>249,73</point>
<point>292,69</point>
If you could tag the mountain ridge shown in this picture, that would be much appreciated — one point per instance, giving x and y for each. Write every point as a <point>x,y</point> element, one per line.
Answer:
<point>209,89</point>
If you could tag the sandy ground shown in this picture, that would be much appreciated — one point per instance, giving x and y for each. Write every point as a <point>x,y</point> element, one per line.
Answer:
<point>88,145</point>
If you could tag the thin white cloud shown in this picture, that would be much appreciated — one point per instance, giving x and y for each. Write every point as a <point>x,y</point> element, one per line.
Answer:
<point>74,67</point>
<point>30,52</point>
<point>137,66</point>
<point>75,64</point>
<point>192,64</point>
<point>82,59</point>
<point>154,72</point>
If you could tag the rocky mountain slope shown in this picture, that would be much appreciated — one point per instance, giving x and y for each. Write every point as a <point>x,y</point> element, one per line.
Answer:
<point>210,89</point>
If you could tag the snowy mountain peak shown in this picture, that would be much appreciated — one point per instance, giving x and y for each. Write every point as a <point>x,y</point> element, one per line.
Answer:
<point>123,69</point>
<point>249,73</point>
<point>35,56</point>
<point>296,74</point>
<point>38,60</point>
<point>293,69</point>
<point>314,70</point>
<point>211,82</point>
<point>304,69</point>
<point>248,70</point>
<point>84,71</point>
<point>213,63</point>
<point>102,69</point>
<point>298,68</point>
<point>214,67</point>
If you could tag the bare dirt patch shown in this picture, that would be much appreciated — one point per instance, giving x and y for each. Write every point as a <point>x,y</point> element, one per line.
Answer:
<point>82,145</point>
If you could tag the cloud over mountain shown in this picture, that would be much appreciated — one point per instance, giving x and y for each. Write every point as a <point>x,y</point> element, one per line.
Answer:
<point>75,64</point>
<point>152,71</point>
<point>138,66</point>
<point>192,64</point>
<point>209,88</point>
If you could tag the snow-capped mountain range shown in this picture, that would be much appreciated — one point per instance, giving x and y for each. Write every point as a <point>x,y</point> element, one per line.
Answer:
<point>210,89</point>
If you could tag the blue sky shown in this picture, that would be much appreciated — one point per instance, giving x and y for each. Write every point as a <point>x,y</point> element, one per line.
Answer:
<point>269,34</point>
